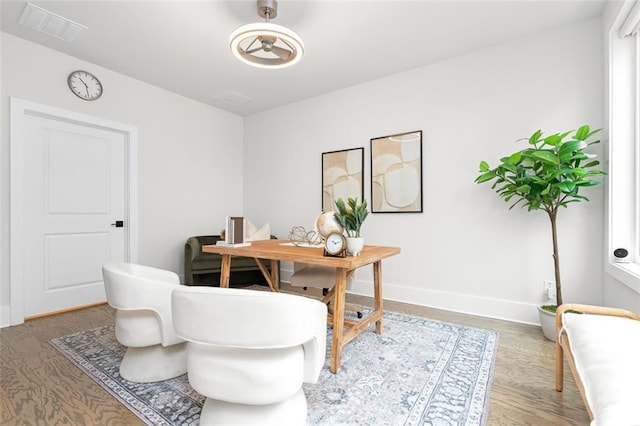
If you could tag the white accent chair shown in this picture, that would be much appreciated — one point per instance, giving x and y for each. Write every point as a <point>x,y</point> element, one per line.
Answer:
<point>142,297</point>
<point>250,351</point>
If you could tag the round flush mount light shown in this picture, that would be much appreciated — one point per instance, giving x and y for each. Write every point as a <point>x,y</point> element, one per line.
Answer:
<point>266,45</point>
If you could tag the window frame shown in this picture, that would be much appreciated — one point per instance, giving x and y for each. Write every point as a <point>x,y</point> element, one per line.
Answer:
<point>623,180</point>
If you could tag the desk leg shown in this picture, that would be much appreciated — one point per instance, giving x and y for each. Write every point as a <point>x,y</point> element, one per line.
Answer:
<point>338,319</point>
<point>273,277</point>
<point>275,274</point>
<point>225,270</point>
<point>377,291</point>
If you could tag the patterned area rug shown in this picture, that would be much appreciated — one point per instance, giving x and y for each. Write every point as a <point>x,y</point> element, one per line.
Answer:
<point>418,372</point>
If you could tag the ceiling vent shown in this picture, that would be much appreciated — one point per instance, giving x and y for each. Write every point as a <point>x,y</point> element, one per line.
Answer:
<point>232,97</point>
<point>49,23</point>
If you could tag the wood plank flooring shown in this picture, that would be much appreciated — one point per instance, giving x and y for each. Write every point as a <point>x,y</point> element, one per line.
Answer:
<point>38,386</point>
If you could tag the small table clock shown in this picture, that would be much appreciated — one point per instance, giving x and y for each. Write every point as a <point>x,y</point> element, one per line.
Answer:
<point>335,245</point>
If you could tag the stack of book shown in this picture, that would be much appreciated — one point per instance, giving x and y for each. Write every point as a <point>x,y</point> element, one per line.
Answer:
<point>234,232</point>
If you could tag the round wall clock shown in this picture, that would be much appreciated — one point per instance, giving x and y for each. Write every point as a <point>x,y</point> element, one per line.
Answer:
<point>85,85</point>
<point>335,245</point>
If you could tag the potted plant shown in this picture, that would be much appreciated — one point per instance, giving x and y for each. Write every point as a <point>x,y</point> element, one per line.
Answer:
<point>547,175</point>
<point>351,216</point>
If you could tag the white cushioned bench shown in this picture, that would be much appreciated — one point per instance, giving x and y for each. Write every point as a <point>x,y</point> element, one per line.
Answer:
<point>602,347</point>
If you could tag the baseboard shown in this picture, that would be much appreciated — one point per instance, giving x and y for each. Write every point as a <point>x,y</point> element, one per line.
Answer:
<point>463,303</point>
<point>456,302</point>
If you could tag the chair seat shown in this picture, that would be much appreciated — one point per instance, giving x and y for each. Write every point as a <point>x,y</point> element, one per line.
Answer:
<point>315,276</point>
<point>323,277</point>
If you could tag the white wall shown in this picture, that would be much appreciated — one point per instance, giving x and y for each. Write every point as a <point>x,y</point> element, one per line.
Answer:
<point>190,154</point>
<point>466,252</point>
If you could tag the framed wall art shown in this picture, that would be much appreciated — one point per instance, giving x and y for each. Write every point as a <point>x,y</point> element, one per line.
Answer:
<point>342,176</point>
<point>396,173</point>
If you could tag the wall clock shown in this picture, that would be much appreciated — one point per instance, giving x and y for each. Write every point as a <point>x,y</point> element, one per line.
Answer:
<point>85,85</point>
<point>335,245</point>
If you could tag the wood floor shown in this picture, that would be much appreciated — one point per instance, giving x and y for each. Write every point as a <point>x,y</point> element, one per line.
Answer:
<point>40,387</point>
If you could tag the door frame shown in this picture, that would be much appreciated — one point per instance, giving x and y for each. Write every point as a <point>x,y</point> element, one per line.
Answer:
<point>20,109</point>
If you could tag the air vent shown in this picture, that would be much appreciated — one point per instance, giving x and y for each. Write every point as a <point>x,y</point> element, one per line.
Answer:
<point>49,23</point>
<point>233,98</point>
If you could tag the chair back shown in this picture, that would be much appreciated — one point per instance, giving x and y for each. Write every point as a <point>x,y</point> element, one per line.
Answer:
<point>252,319</point>
<point>131,287</point>
<point>315,276</point>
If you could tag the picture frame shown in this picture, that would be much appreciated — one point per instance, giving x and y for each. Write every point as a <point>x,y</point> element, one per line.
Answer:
<point>342,176</point>
<point>396,173</point>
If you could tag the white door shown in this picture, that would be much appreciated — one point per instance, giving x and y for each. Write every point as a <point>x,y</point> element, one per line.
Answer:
<point>74,194</point>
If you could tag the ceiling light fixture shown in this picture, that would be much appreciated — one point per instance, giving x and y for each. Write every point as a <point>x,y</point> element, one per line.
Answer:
<point>266,45</point>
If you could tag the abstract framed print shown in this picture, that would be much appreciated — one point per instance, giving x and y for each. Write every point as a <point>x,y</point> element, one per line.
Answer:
<point>342,176</point>
<point>396,173</point>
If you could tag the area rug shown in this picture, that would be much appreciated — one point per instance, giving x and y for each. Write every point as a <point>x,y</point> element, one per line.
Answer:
<point>418,372</point>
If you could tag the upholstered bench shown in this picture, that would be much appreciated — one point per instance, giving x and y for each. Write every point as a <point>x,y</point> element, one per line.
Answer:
<point>602,347</point>
<point>204,268</point>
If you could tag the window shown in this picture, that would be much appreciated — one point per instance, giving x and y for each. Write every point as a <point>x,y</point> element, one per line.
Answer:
<point>624,141</point>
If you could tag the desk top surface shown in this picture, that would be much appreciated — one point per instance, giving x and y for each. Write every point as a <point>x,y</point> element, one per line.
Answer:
<point>283,250</point>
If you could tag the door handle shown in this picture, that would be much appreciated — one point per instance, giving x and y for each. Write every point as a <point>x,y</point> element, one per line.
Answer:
<point>118,223</point>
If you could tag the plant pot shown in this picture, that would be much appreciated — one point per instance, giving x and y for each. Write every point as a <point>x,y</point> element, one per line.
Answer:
<point>355,245</point>
<point>548,323</point>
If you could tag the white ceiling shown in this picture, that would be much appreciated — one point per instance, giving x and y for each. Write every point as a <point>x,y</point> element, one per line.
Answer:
<point>182,46</point>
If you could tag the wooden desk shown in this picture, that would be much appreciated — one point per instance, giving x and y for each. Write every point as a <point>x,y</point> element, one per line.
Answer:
<point>273,250</point>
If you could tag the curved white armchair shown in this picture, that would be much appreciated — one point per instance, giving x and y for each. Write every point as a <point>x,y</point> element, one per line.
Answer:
<point>142,297</point>
<point>250,351</point>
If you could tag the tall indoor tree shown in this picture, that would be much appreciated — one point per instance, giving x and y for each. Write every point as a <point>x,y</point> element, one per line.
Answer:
<point>547,175</point>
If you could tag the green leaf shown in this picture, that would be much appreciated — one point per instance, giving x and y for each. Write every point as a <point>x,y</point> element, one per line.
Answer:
<point>535,137</point>
<point>534,204</point>
<point>485,177</point>
<point>569,147</point>
<point>581,197</point>
<point>582,133</point>
<point>507,166</point>
<point>515,158</point>
<point>579,172</point>
<point>564,135</point>
<point>592,163</point>
<point>591,133</point>
<point>595,172</point>
<point>484,166</point>
<point>566,186</point>
<point>516,203</point>
<point>544,156</point>
<point>588,183</point>
<point>553,140</point>
<point>565,203</point>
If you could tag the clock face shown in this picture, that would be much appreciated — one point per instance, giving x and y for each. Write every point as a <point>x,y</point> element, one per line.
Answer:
<point>335,243</point>
<point>85,85</point>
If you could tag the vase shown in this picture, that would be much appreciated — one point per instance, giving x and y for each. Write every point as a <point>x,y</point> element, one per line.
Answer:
<point>355,245</point>
<point>548,323</point>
